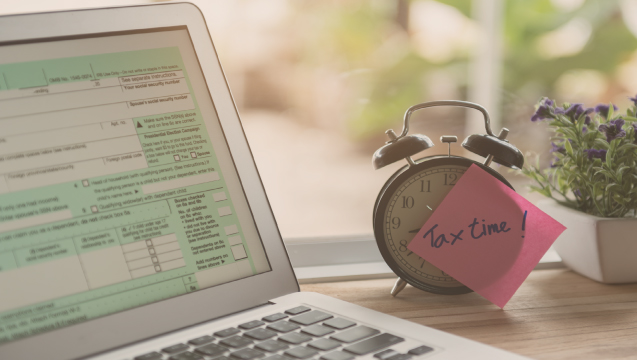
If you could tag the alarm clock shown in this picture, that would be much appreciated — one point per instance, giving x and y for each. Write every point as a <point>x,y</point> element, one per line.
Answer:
<point>413,193</point>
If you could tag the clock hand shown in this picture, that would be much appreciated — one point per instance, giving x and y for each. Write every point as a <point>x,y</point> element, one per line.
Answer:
<point>417,230</point>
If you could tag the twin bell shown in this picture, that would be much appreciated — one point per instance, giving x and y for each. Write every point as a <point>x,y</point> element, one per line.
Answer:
<point>492,147</point>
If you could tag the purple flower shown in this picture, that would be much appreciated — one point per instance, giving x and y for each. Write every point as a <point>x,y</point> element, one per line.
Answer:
<point>635,127</point>
<point>584,129</point>
<point>634,100</point>
<point>603,109</point>
<point>614,130</point>
<point>544,110</point>
<point>596,154</point>
<point>556,148</point>
<point>575,111</point>
<point>554,163</point>
<point>577,193</point>
<point>548,102</point>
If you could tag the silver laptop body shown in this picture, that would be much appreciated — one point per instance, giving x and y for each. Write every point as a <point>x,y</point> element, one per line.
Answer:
<point>132,215</point>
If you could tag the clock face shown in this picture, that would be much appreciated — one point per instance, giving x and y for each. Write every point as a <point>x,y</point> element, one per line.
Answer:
<point>407,201</point>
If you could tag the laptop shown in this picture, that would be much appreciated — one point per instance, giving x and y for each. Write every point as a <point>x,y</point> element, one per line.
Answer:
<point>133,223</point>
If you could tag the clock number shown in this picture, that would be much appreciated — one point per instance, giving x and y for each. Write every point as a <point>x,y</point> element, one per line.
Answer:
<point>408,202</point>
<point>450,179</point>
<point>396,222</point>
<point>403,246</point>
<point>422,186</point>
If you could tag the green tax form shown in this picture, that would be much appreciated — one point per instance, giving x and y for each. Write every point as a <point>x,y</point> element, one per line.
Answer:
<point>113,193</point>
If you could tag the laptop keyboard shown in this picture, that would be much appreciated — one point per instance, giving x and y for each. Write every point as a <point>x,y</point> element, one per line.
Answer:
<point>300,333</point>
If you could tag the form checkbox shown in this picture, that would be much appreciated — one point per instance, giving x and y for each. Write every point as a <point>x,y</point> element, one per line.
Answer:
<point>85,183</point>
<point>149,242</point>
<point>151,251</point>
<point>193,154</point>
<point>234,240</point>
<point>224,211</point>
<point>176,157</point>
<point>239,252</point>
<point>157,268</point>
<point>230,230</point>
<point>220,196</point>
<point>155,259</point>
<point>94,208</point>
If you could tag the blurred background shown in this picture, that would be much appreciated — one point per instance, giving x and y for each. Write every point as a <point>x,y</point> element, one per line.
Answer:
<point>318,82</point>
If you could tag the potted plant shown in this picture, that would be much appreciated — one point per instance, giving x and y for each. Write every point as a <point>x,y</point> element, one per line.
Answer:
<point>592,180</point>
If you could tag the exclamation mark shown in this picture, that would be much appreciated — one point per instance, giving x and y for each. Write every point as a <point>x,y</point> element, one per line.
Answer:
<point>524,221</point>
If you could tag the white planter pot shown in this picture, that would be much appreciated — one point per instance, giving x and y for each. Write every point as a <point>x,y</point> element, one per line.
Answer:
<point>603,249</point>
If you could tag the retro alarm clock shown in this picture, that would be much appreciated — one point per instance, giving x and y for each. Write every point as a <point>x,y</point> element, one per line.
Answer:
<point>412,193</point>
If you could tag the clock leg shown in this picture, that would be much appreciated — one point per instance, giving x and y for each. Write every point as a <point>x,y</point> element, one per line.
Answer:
<point>398,287</point>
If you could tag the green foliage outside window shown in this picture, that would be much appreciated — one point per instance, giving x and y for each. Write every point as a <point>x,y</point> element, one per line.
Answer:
<point>371,44</point>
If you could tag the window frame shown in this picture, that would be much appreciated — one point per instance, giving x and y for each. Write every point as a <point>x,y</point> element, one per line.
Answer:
<point>355,257</point>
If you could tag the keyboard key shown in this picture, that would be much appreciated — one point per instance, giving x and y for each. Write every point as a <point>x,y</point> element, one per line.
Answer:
<point>187,356</point>
<point>317,330</point>
<point>283,326</point>
<point>175,348</point>
<point>271,346</point>
<point>150,356</point>
<point>337,355</point>
<point>260,334</point>
<point>201,340</point>
<point>301,352</point>
<point>274,317</point>
<point>227,332</point>
<point>355,334</point>
<point>339,323</point>
<point>211,350</point>
<point>297,310</point>
<point>247,354</point>
<point>374,344</point>
<point>386,354</point>
<point>400,357</point>
<point>324,344</point>
<point>295,338</point>
<point>251,324</point>
<point>420,350</point>
<point>236,342</point>
<point>312,317</point>
<point>276,357</point>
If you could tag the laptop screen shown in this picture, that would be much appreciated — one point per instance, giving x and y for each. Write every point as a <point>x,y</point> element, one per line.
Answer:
<point>117,188</point>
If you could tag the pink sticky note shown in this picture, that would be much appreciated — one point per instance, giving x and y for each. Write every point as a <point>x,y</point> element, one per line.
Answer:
<point>486,236</point>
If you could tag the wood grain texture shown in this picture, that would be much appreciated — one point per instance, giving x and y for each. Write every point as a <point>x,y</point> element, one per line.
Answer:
<point>556,314</point>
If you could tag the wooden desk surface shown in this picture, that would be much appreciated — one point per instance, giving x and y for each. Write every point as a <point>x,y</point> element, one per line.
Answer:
<point>556,314</point>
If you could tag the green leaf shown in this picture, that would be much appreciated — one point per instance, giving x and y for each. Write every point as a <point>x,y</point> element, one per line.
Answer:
<point>626,147</point>
<point>601,144</point>
<point>610,111</point>
<point>568,147</point>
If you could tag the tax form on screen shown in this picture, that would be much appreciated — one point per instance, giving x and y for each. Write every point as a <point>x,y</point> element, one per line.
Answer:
<point>117,188</point>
